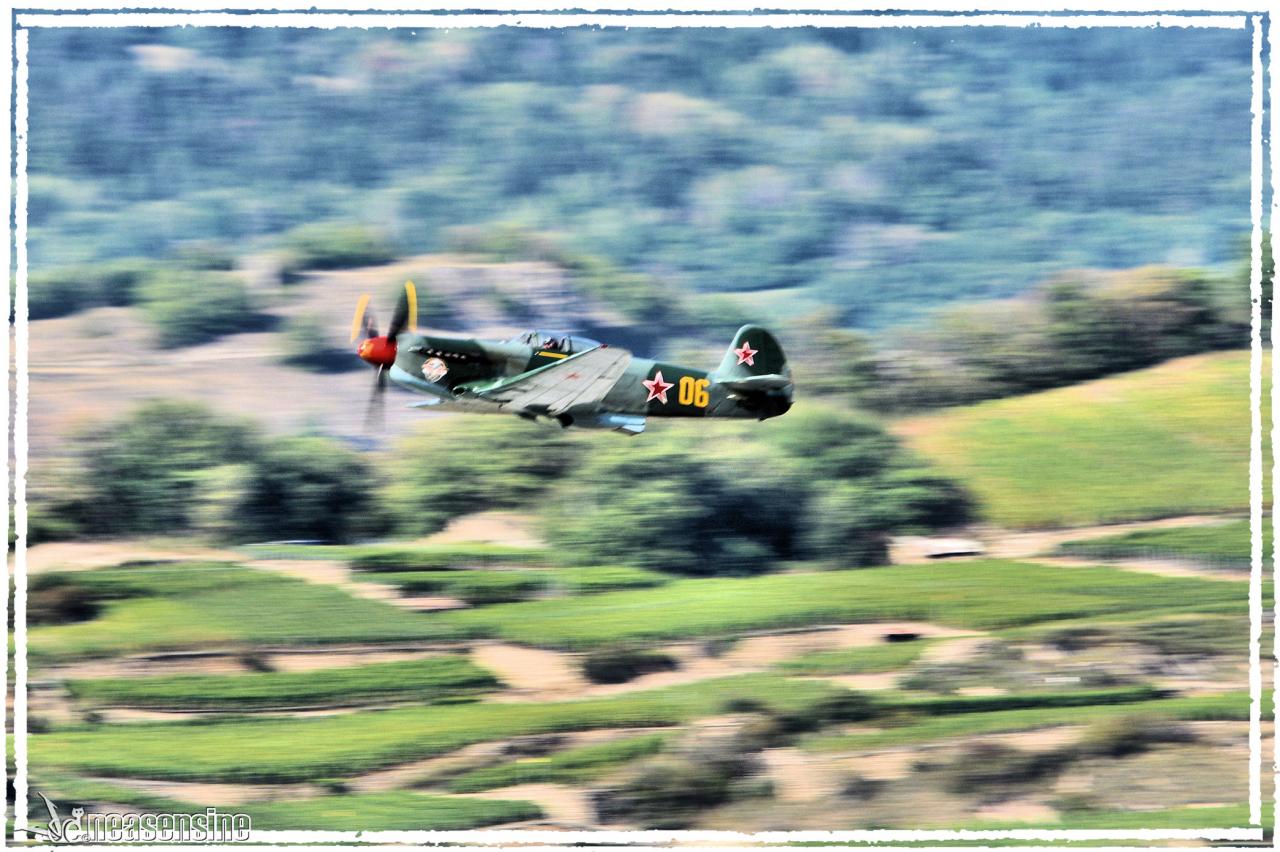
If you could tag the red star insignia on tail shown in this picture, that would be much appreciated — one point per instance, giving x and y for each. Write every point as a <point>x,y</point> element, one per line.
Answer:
<point>746,355</point>
<point>657,388</point>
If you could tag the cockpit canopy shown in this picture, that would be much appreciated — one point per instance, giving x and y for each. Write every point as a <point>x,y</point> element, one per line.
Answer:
<point>555,341</point>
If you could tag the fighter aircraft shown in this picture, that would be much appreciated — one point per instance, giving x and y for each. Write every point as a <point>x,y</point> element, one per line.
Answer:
<point>567,379</point>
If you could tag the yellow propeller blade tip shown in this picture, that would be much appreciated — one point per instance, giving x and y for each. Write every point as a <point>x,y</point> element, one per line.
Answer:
<point>356,320</point>
<point>412,293</point>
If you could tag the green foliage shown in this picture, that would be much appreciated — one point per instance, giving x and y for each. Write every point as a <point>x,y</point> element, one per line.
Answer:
<point>819,482</point>
<point>866,486</point>
<point>571,766</point>
<point>619,665</point>
<point>183,606</point>
<point>814,160</point>
<point>332,245</point>
<point>428,680</point>
<point>1103,451</point>
<point>1228,706</point>
<point>187,307</point>
<point>981,594</point>
<point>445,557</point>
<point>489,586</point>
<point>1195,635</point>
<point>340,746</point>
<point>886,657</point>
<point>661,505</point>
<point>65,290</point>
<point>307,344</point>
<point>593,579</point>
<point>475,587</point>
<point>441,472</point>
<point>639,297</point>
<point>171,467</point>
<point>1226,544</point>
<point>1069,329</point>
<point>149,471</point>
<point>308,488</point>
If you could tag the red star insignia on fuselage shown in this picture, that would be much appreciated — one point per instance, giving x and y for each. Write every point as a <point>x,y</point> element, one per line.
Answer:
<point>746,355</point>
<point>658,388</point>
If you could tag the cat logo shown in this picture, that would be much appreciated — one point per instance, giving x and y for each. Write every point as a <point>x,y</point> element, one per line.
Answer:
<point>434,369</point>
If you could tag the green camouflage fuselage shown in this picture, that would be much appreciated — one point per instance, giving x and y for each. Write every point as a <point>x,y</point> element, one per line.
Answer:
<point>453,369</point>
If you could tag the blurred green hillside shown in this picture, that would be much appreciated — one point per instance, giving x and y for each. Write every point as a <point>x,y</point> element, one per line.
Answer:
<point>1170,440</point>
<point>877,171</point>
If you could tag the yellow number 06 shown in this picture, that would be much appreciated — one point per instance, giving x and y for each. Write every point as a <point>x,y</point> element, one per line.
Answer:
<point>693,391</point>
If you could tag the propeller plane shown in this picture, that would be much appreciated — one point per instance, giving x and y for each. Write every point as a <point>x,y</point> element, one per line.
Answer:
<point>568,379</point>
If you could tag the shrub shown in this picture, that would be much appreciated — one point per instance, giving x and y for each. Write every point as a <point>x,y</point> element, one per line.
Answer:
<point>66,290</point>
<point>333,245</point>
<point>1133,734</point>
<point>307,488</point>
<point>623,664</point>
<point>190,307</point>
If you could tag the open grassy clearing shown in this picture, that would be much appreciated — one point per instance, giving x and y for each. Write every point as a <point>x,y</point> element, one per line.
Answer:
<point>427,680</point>
<point>1173,439</point>
<point>1216,544</point>
<point>1233,706</point>
<point>196,605</point>
<point>571,766</point>
<point>297,749</point>
<point>984,595</point>
<point>868,660</point>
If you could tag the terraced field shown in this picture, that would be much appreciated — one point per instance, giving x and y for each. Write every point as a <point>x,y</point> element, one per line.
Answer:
<point>366,715</point>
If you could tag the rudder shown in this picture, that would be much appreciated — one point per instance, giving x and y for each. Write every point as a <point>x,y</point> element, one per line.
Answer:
<point>754,352</point>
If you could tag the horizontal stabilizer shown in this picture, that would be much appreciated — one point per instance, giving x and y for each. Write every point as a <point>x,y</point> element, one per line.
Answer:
<point>767,382</point>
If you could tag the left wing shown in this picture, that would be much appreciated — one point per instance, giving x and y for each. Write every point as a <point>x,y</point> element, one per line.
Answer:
<point>580,379</point>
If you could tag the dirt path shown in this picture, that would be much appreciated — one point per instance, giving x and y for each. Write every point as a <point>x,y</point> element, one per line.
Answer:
<point>489,527</point>
<point>87,555</point>
<point>1006,544</point>
<point>534,674</point>
<point>568,806</point>
<point>1160,567</point>
<point>216,795</point>
<point>329,573</point>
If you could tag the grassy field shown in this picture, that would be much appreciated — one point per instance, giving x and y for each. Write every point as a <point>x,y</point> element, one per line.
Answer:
<point>197,605</point>
<point>427,680</point>
<point>570,766</point>
<point>985,594</point>
<point>404,557</point>
<point>1229,706</point>
<point>398,810</point>
<point>480,586</point>
<point>1173,439</point>
<point>1214,544</point>
<point>299,749</point>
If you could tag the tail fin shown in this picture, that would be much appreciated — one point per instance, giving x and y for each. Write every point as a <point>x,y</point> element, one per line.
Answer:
<point>754,361</point>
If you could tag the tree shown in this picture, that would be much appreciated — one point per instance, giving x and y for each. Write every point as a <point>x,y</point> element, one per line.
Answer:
<point>450,468</point>
<point>308,488</point>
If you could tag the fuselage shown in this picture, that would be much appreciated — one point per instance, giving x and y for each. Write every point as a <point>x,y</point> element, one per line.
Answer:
<point>451,369</point>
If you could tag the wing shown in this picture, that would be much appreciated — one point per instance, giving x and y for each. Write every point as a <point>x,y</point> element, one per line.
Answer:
<point>578,380</point>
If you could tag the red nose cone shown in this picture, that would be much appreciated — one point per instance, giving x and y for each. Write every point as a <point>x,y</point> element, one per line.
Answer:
<point>378,351</point>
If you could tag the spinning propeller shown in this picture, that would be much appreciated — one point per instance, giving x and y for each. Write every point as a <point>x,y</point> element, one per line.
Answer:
<point>380,351</point>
